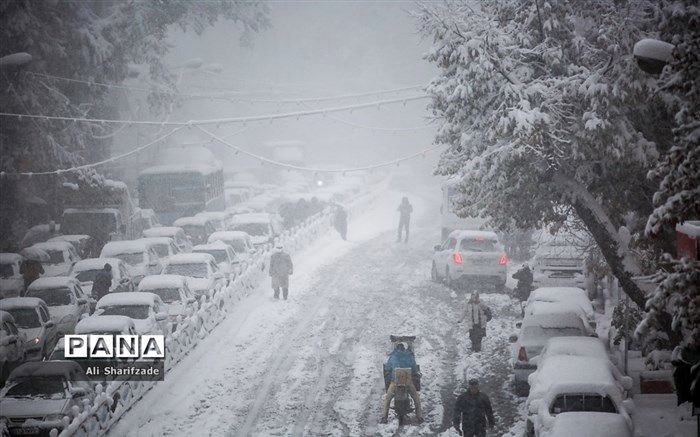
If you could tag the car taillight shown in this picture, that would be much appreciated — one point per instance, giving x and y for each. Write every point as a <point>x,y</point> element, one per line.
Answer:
<point>457,257</point>
<point>503,260</point>
<point>522,354</point>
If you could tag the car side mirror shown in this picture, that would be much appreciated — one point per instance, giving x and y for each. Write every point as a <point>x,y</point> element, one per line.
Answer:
<point>49,324</point>
<point>513,338</point>
<point>437,248</point>
<point>518,325</point>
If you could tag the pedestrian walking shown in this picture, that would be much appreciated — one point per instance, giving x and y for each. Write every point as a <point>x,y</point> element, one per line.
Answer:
<point>405,209</point>
<point>340,221</point>
<point>281,268</point>
<point>473,412</point>
<point>476,316</point>
<point>102,282</point>
<point>31,270</point>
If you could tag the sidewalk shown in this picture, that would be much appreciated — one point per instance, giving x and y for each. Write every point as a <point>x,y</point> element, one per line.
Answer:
<point>656,415</point>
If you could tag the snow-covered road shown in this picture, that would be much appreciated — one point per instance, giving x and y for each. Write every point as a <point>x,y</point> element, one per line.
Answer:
<point>312,365</point>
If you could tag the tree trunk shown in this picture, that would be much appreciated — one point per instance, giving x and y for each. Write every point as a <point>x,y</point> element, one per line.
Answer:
<point>604,233</point>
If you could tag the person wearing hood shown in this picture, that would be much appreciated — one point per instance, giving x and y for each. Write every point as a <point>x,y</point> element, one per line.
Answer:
<point>281,268</point>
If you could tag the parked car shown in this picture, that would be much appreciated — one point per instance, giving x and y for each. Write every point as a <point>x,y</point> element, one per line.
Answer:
<point>469,256</point>
<point>12,344</point>
<point>558,264</point>
<point>164,246</point>
<point>196,228</point>
<point>535,330</point>
<point>86,270</point>
<point>200,269</point>
<point>62,256</point>
<point>66,300</point>
<point>174,292</point>
<point>81,243</point>
<point>11,282</point>
<point>38,395</point>
<point>225,257</point>
<point>217,218</point>
<point>263,228</point>
<point>32,318</point>
<point>139,255</point>
<point>573,295</point>
<point>589,424</point>
<point>177,234</point>
<point>240,242</point>
<point>147,311</point>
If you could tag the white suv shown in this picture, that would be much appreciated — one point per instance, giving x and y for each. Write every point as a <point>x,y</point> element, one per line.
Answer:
<point>470,256</point>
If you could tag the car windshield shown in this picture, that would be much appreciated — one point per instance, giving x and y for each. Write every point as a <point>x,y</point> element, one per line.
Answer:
<point>559,331</point>
<point>133,259</point>
<point>167,295</point>
<point>238,246</point>
<point>52,296</point>
<point>55,257</point>
<point>87,275</point>
<point>478,245</point>
<point>193,270</point>
<point>133,311</point>
<point>162,250</point>
<point>25,318</point>
<point>6,271</point>
<point>219,255</point>
<point>43,387</point>
<point>257,229</point>
<point>583,402</point>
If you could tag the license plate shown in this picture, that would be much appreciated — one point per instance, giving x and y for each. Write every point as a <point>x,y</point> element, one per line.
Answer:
<point>31,430</point>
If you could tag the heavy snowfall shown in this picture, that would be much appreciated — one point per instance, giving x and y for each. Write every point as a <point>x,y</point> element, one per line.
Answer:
<point>262,218</point>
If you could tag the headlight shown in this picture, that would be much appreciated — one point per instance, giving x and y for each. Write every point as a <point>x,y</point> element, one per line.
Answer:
<point>36,340</point>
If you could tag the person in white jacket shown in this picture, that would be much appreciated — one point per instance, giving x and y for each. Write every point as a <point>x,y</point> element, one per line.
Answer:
<point>476,315</point>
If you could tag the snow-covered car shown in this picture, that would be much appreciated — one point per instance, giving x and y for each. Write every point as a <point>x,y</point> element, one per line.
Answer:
<point>593,390</point>
<point>573,295</point>
<point>164,246</point>
<point>224,256</point>
<point>589,424</point>
<point>239,241</point>
<point>217,218</point>
<point>200,269</point>
<point>557,264</point>
<point>567,369</point>
<point>177,234</point>
<point>535,330</point>
<point>80,242</point>
<point>174,292</point>
<point>147,310</point>
<point>85,272</point>
<point>196,228</point>
<point>99,325</point>
<point>469,256</point>
<point>32,318</point>
<point>62,256</point>
<point>66,300</point>
<point>139,255</point>
<point>262,227</point>
<point>11,282</point>
<point>39,233</point>
<point>12,344</point>
<point>38,395</point>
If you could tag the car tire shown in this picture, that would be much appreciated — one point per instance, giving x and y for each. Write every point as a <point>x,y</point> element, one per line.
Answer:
<point>434,273</point>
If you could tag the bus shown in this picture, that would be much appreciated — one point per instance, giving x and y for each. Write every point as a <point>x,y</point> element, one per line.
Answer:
<point>175,191</point>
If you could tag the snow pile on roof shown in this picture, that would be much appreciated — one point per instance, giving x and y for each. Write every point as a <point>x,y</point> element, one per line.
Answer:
<point>127,298</point>
<point>487,235</point>
<point>34,253</point>
<point>214,245</point>
<point>95,264</point>
<point>565,319</point>
<point>53,246</point>
<point>98,324</point>
<point>575,346</point>
<point>155,282</point>
<point>156,240</point>
<point>9,258</point>
<point>44,283</point>
<point>227,236</point>
<point>128,246</point>
<point>191,221</point>
<point>73,238</point>
<point>162,231</point>
<point>190,258</point>
<point>538,308</point>
<point>571,295</point>
<point>690,228</point>
<point>19,302</point>
<point>571,370</point>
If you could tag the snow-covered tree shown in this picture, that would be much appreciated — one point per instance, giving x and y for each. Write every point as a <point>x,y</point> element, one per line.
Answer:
<point>546,114</point>
<point>90,41</point>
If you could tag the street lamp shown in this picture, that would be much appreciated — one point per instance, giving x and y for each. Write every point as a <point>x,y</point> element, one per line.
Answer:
<point>652,55</point>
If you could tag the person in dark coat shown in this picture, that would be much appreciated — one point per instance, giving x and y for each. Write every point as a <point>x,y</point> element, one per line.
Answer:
<point>473,411</point>
<point>102,282</point>
<point>30,270</point>
<point>340,221</point>
<point>281,268</point>
<point>524,278</point>
<point>405,209</point>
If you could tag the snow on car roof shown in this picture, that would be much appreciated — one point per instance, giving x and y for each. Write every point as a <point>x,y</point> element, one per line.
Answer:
<point>95,264</point>
<point>190,258</point>
<point>538,308</point>
<point>46,368</point>
<point>214,245</point>
<point>228,235</point>
<point>571,295</point>
<point>577,346</point>
<point>9,258</point>
<point>11,303</point>
<point>589,424</point>
<point>212,214</point>
<point>103,323</point>
<point>53,245</point>
<point>34,253</point>
<point>69,238</point>
<point>162,231</point>
<point>253,217</point>
<point>127,298</point>
<point>573,370</point>
<point>191,221</point>
<point>595,381</point>
<point>44,283</point>
<point>554,320</point>
<point>156,240</point>
<point>543,292</point>
<point>462,233</point>
<point>179,168</point>
<point>128,246</point>
<point>154,282</point>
